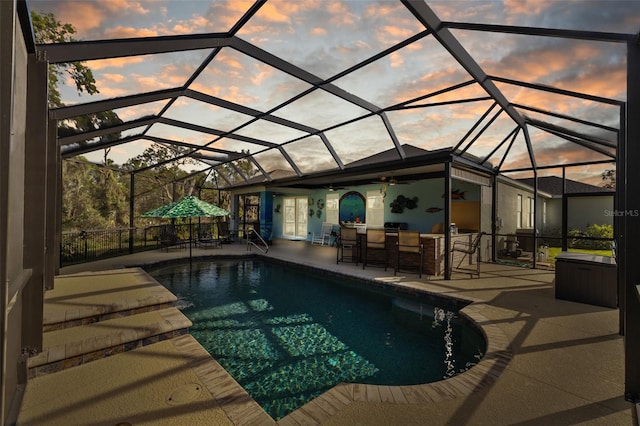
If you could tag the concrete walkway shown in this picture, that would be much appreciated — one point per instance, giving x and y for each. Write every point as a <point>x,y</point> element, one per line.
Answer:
<point>564,363</point>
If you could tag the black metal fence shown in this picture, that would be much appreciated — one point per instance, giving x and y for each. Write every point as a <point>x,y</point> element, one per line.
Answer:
<point>89,245</point>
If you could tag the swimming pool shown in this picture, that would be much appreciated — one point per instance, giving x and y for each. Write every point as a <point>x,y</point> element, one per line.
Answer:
<point>287,334</point>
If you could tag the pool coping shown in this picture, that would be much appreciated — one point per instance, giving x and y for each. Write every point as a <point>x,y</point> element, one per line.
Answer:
<point>497,355</point>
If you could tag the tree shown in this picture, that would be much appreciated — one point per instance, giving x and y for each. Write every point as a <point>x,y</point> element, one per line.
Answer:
<point>609,179</point>
<point>47,29</point>
<point>161,184</point>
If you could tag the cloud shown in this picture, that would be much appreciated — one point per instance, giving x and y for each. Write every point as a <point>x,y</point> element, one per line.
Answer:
<point>318,31</point>
<point>231,60</point>
<point>127,6</point>
<point>525,7</point>
<point>113,78</point>
<point>115,62</point>
<point>340,14</point>
<point>84,16</point>
<point>129,32</point>
<point>396,60</point>
<point>236,94</point>
<point>263,72</point>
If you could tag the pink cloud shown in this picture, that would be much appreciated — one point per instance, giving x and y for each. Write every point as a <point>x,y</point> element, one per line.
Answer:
<point>114,62</point>
<point>340,14</point>
<point>129,32</point>
<point>318,31</point>
<point>84,16</point>
<point>525,7</point>
<point>114,78</point>
<point>118,6</point>
<point>110,91</point>
<point>263,73</point>
<point>396,60</point>
<point>276,13</point>
<point>230,61</point>
<point>234,94</point>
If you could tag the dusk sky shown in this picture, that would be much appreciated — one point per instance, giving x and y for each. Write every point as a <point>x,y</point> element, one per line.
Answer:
<point>327,37</point>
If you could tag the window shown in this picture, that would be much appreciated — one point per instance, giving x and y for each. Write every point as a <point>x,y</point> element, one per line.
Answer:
<point>530,216</point>
<point>295,217</point>
<point>375,209</point>
<point>519,212</point>
<point>544,212</point>
<point>332,207</point>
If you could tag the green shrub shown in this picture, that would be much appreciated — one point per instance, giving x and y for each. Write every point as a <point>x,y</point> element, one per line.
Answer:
<point>593,231</point>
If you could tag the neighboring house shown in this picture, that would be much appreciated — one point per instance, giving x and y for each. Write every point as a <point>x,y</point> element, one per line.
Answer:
<point>515,212</point>
<point>586,204</point>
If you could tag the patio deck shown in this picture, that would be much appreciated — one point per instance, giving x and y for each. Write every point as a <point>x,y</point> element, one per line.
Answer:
<point>563,362</point>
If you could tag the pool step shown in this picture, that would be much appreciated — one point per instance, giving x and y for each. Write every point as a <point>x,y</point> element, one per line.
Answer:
<point>69,347</point>
<point>89,297</point>
<point>93,315</point>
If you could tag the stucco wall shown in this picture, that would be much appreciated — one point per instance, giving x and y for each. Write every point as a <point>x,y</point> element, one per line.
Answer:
<point>429,194</point>
<point>13,101</point>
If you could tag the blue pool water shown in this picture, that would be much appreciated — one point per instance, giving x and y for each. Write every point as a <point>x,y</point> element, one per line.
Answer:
<point>287,334</point>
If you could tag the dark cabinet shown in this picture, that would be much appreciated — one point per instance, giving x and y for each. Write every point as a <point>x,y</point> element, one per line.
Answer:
<point>587,278</point>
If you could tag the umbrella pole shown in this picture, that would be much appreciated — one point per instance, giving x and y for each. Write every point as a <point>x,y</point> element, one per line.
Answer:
<point>190,240</point>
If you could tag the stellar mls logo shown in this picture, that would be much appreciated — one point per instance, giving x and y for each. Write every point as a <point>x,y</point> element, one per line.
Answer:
<point>618,213</point>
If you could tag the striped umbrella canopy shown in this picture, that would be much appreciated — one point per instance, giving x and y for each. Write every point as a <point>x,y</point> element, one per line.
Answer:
<point>189,206</point>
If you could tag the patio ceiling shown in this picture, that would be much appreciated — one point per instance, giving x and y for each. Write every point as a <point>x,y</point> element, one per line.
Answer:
<point>273,86</point>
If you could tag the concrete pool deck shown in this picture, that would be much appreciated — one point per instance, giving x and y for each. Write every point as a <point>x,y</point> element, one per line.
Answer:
<point>556,362</point>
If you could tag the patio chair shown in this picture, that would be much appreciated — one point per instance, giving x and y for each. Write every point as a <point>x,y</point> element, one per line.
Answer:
<point>409,245</point>
<point>467,249</point>
<point>168,238</point>
<point>205,237</point>
<point>375,248</point>
<point>348,239</point>
<point>324,236</point>
<point>224,235</point>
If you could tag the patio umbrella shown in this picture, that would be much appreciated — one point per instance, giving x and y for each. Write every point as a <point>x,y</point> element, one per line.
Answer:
<point>190,207</point>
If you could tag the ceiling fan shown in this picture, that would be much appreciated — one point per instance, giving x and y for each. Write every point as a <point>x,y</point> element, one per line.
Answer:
<point>389,180</point>
<point>332,187</point>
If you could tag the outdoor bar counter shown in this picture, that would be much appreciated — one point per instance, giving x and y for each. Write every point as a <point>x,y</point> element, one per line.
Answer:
<point>434,251</point>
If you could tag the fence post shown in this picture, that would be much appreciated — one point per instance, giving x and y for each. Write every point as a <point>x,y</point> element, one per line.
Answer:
<point>131,199</point>
<point>83,235</point>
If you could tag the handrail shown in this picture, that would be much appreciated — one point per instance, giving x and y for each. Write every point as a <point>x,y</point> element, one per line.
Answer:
<point>250,242</point>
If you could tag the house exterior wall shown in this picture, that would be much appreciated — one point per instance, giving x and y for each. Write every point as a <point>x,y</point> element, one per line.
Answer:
<point>507,212</point>
<point>507,208</point>
<point>554,216</point>
<point>429,195</point>
<point>592,210</point>
<point>13,101</point>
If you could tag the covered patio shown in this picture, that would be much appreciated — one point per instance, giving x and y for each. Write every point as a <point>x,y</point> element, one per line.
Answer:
<point>464,123</point>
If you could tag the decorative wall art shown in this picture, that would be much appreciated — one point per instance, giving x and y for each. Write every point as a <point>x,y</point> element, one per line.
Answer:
<point>401,202</point>
<point>277,209</point>
<point>320,204</point>
<point>352,208</point>
<point>456,194</point>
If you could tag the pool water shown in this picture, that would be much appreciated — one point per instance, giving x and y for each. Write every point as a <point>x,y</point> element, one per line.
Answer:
<point>288,334</point>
